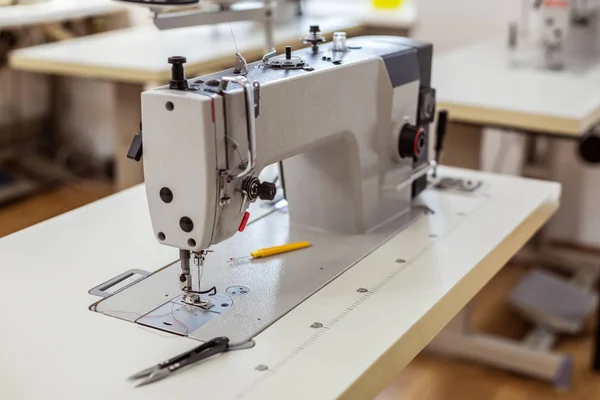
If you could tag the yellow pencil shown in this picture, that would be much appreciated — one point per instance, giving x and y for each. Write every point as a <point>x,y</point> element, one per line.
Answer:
<point>273,251</point>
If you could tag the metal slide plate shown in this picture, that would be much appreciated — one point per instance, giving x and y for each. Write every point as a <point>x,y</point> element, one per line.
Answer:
<point>256,292</point>
<point>177,317</point>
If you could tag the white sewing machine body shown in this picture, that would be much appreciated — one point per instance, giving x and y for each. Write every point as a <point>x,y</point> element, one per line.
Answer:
<point>564,33</point>
<point>336,127</point>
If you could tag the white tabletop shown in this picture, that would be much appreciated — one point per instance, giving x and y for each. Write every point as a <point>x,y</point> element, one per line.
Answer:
<point>53,347</point>
<point>140,54</point>
<point>54,11</point>
<point>478,85</point>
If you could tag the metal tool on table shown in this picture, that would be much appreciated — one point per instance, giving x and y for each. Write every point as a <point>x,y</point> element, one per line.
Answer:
<point>166,368</point>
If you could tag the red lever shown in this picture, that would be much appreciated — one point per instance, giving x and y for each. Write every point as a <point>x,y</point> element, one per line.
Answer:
<point>244,222</point>
<point>417,148</point>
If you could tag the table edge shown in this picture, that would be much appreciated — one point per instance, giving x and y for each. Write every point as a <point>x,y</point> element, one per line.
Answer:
<point>548,124</point>
<point>407,347</point>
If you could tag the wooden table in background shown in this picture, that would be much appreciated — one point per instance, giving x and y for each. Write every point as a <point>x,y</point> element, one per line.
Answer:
<point>480,88</point>
<point>53,11</point>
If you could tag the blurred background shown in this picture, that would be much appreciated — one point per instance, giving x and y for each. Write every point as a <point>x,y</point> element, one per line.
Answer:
<point>521,79</point>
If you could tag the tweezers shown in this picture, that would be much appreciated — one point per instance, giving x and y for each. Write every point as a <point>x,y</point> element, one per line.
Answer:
<point>166,368</point>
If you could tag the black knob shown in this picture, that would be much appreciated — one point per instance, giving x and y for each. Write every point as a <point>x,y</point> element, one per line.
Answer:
<point>315,29</point>
<point>136,149</point>
<point>411,142</point>
<point>178,81</point>
<point>442,124</point>
<point>186,224</point>
<point>288,52</point>
<point>166,195</point>
<point>589,148</point>
<point>267,191</point>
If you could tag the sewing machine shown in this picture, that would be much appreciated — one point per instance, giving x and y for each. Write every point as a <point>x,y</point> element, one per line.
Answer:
<point>566,32</point>
<point>349,122</point>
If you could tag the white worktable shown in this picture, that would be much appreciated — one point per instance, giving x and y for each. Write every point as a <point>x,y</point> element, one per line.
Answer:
<point>139,54</point>
<point>53,347</point>
<point>54,11</point>
<point>477,85</point>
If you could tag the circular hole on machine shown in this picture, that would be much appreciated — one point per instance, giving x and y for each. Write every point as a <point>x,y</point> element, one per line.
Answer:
<point>161,236</point>
<point>192,243</point>
<point>170,106</point>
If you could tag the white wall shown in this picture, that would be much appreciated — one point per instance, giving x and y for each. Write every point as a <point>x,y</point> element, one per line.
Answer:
<point>452,23</point>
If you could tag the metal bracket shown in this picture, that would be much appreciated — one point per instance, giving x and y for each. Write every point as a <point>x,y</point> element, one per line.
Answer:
<point>169,18</point>
<point>119,283</point>
<point>256,86</point>
<point>250,118</point>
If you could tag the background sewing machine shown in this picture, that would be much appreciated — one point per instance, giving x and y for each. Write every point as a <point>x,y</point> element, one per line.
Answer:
<point>556,34</point>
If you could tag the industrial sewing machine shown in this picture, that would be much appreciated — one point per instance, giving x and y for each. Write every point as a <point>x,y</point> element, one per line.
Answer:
<point>556,34</point>
<point>348,123</point>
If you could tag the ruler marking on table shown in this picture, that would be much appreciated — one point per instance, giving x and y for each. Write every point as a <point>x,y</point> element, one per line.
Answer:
<point>328,326</point>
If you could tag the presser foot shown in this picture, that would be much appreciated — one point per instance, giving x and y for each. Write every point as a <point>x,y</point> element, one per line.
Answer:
<point>193,299</point>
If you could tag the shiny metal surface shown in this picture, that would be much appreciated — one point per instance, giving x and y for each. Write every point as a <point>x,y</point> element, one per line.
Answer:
<point>276,284</point>
<point>180,318</point>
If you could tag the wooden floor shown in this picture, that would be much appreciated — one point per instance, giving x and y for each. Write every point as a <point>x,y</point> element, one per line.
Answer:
<point>427,377</point>
<point>432,378</point>
<point>43,206</point>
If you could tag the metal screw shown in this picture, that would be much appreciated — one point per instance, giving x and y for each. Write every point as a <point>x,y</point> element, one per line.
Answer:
<point>261,367</point>
<point>317,325</point>
<point>362,290</point>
